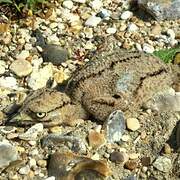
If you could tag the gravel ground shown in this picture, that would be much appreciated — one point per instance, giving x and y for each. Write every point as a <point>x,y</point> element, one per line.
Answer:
<point>80,29</point>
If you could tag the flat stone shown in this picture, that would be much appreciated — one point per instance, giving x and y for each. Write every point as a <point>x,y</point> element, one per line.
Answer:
<point>8,154</point>
<point>111,30</point>
<point>114,126</point>
<point>148,48</point>
<point>68,4</point>
<point>132,27</point>
<point>24,170</point>
<point>2,67</point>
<point>21,67</point>
<point>96,4</point>
<point>161,10</point>
<point>8,82</point>
<point>39,77</point>
<point>32,133</point>
<point>133,124</point>
<point>23,55</point>
<point>163,164</point>
<point>119,157</point>
<point>126,15</point>
<point>93,21</point>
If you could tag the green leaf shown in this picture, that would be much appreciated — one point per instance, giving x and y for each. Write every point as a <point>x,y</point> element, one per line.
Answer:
<point>167,55</point>
<point>6,1</point>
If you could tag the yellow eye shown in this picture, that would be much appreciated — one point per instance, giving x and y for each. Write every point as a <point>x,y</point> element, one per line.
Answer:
<point>41,114</point>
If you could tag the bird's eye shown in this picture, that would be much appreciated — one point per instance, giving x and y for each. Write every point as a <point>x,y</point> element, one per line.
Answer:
<point>41,114</point>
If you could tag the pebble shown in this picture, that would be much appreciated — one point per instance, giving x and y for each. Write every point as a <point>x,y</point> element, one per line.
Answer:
<point>96,4</point>
<point>132,27</point>
<point>148,48</point>
<point>2,67</point>
<point>156,30</point>
<point>8,154</point>
<point>24,170</point>
<point>133,124</point>
<point>51,178</point>
<point>68,4</point>
<point>134,156</point>
<point>21,67</point>
<point>80,1</point>
<point>114,126</point>
<point>8,82</point>
<point>93,21</point>
<point>32,163</point>
<point>32,133</point>
<point>42,163</point>
<point>39,77</point>
<point>104,14</point>
<point>163,164</point>
<point>119,157</point>
<point>131,164</point>
<point>167,149</point>
<point>23,55</point>
<point>126,15</point>
<point>146,161</point>
<point>96,139</point>
<point>111,30</point>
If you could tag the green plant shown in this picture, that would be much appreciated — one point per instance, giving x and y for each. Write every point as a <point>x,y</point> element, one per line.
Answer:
<point>167,55</point>
<point>20,4</point>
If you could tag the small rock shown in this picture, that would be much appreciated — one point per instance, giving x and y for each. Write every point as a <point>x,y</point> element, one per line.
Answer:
<point>80,1</point>
<point>42,163</point>
<point>24,170</point>
<point>114,126</point>
<point>32,133</point>
<point>32,163</point>
<point>163,164</point>
<point>131,164</point>
<point>132,27</point>
<point>39,77</point>
<point>125,138</point>
<point>21,67</point>
<point>55,129</point>
<point>156,30</point>
<point>93,21</point>
<point>2,67</point>
<point>119,157</point>
<point>96,139</point>
<point>146,161</point>
<point>148,48</point>
<point>8,129</point>
<point>111,30</point>
<point>134,156</point>
<point>54,54</point>
<point>167,149</point>
<point>8,154</point>
<point>23,55</point>
<point>96,4</point>
<point>68,4</point>
<point>51,178</point>
<point>133,124</point>
<point>126,15</point>
<point>104,14</point>
<point>8,82</point>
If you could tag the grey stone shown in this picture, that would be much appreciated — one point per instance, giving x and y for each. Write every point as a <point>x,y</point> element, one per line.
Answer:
<point>115,126</point>
<point>161,10</point>
<point>163,164</point>
<point>8,154</point>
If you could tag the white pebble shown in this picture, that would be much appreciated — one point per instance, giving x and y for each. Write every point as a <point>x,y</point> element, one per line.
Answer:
<point>93,21</point>
<point>126,15</point>
<point>148,48</point>
<point>80,1</point>
<point>8,82</point>
<point>133,124</point>
<point>68,4</point>
<point>24,170</point>
<point>2,67</point>
<point>171,33</point>
<point>23,55</point>
<point>96,4</point>
<point>138,46</point>
<point>21,67</point>
<point>132,27</point>
<point>111,30</point>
